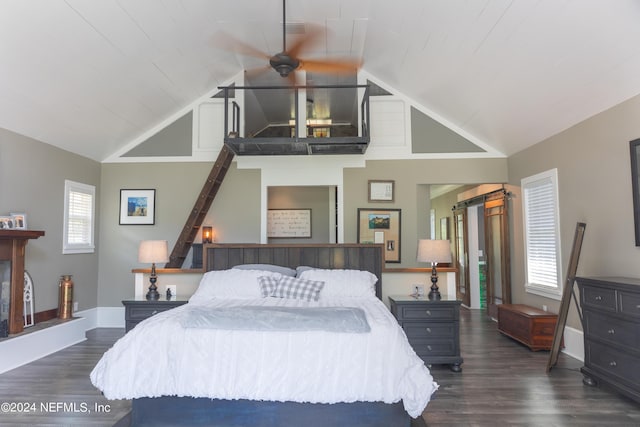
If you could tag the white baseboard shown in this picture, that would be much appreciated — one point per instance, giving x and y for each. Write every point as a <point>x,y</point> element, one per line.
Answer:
<point>574,343</point>
<point>110,317</point>
<point>32,346</point>
<point>103,317</point>
<point>26,348</point>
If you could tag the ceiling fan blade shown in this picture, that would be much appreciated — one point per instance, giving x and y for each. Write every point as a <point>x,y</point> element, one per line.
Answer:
<point>254,73</point>
<point>336,66</point>
<point>311,35</point>
<point>229,43</point>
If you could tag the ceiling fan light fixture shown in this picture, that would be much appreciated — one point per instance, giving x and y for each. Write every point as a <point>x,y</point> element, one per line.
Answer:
<point>283,64</point>
<point>283,69</point>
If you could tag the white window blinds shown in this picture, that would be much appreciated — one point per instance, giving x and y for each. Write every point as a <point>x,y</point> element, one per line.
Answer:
<point>541,229</point>
<point>78,218</point>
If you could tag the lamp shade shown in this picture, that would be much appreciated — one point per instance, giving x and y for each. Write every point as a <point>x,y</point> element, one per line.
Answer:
<point>152,251</point>
<point>433,251</point>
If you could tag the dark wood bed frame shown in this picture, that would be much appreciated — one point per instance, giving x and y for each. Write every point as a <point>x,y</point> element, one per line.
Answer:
<point>187,411</point>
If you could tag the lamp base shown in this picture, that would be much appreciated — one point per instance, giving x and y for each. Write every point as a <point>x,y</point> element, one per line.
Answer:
<point>153,294</point>
<point>434,295</point>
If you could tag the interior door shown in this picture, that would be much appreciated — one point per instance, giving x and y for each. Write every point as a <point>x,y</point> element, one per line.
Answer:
<point>497,253</point>
<point>462,255</point>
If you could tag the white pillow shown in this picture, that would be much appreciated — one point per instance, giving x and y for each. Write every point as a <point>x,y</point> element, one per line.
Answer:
<point>285,271</point>
<point>343,283</point>
<point>232,283</point>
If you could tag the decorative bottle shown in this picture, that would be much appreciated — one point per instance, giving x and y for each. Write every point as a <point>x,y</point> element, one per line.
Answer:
<point>65,297</point>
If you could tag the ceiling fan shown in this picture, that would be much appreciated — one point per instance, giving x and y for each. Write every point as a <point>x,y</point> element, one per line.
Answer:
<point>288,60</point>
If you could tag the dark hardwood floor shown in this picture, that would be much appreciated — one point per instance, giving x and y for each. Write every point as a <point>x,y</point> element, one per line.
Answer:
<point>502,383</point>
<point>56,390</point>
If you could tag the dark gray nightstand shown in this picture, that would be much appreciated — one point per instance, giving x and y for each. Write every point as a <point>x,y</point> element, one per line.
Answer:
<point>136,310</point>
<point>432,327</point>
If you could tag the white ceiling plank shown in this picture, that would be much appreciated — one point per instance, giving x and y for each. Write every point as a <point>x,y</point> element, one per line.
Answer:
<point>90,77</point>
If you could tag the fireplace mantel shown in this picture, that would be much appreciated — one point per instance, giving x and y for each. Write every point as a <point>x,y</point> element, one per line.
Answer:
<point>12,248</point>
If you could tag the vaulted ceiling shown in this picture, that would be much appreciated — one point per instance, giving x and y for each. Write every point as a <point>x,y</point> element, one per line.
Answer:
<point>91,76</point>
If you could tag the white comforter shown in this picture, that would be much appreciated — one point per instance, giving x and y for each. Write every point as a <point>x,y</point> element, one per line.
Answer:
<point>160,357</point>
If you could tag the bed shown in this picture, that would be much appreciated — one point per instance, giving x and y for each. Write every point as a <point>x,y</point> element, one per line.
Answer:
<point>180,370</point>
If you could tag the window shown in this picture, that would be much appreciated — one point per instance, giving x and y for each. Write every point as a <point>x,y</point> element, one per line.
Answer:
<point>542,234</point>
<point>79,214</point>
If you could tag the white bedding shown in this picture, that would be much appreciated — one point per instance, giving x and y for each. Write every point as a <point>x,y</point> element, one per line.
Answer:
<point>161,358</point>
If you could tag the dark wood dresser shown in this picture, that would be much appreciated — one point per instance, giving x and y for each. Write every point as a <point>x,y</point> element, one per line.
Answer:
<point>136,310</point>
<point>611,316</point>
<point>432,327</point>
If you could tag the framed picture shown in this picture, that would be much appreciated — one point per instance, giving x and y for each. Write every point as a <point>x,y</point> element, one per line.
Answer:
<point>381,191</point>
<point>381,226</point>
<point>289,223</point>
<point>444,228</point>
<point>137,207</point>
<point>19,221</point>
<point>6,223</point>
<point>635,185</point>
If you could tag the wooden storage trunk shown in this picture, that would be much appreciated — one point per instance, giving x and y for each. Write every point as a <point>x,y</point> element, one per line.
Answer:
<point>531,326</point>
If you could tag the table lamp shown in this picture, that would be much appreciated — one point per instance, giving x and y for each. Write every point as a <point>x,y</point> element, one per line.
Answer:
<point>434,251</point>
<point>152,251</point>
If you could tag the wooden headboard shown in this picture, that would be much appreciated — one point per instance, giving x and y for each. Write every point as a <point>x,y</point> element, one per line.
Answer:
<point>222,256</point>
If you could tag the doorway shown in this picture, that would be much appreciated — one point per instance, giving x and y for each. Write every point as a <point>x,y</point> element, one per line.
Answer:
<point>482,251</point>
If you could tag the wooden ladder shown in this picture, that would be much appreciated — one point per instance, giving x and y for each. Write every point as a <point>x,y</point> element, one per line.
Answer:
<point>200,208</point>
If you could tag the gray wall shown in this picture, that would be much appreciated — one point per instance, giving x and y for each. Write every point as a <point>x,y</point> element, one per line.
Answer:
<point>594,181</point>
<point>32,176</point>
<point>235,215</point>
<point>315,198</point>
<point>410,195</point>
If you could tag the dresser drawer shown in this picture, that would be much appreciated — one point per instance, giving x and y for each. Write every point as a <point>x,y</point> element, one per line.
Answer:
<point>422,312</point>
<point>630,304</point>
<point>432,328</point>
<point>429,330</point>
<point>611,320</point>
<point>613,330</point>
<point>613,362</point>
<point>142,312</point>
<point>426,348</point>
<point>600,298</point>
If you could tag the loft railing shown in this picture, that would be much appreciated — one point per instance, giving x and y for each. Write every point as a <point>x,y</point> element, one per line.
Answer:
<point>286,137</point>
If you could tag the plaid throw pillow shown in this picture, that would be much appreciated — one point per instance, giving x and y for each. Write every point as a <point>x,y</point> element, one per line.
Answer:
<point>267,285</point>
<point>296,288</point>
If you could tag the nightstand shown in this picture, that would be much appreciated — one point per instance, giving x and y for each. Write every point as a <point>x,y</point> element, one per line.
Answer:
<point>432,327</point>
<point>136,310</point>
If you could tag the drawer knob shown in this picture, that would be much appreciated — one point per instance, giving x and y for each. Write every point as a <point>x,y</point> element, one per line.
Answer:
<point>154,312</point>
<point>429,347</point>
<point>428,312</point>
<point>611,331</point>
<point>429,330</point>
<point>613,363</point>
<point>598,298</point>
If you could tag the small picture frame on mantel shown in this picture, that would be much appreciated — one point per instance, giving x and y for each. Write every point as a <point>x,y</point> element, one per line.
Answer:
<point>381,190</point>
<point>19,220</point>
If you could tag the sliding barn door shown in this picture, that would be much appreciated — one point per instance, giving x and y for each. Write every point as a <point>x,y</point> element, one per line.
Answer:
<point>462,255</point>
<point>497,253</point>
